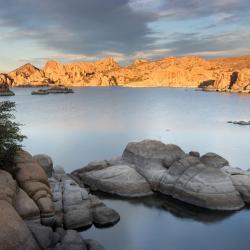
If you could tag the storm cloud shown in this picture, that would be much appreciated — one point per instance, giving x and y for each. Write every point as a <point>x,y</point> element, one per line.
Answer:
<point>126,28</point>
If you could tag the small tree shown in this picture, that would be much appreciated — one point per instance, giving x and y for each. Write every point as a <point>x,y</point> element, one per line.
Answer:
<point>10,136</point>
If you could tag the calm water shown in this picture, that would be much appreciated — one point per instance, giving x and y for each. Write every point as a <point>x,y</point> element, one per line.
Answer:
<point>97,123</point>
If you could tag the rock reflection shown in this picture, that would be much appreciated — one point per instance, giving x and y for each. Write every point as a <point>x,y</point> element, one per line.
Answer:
<point>177,208</point>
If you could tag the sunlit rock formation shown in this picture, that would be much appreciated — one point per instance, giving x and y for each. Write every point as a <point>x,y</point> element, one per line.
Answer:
<point>28,75</point>
<point>225,74</point>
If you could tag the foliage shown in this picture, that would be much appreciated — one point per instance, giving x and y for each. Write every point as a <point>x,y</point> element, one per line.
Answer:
<point>10,136</point>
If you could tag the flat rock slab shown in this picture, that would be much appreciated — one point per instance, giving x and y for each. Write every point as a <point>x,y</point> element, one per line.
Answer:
<point>121,180</point>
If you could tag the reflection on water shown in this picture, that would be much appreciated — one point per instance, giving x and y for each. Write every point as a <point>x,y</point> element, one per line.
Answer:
<point>97,123</point>
<point>176,208</point>
<point>162,223</point>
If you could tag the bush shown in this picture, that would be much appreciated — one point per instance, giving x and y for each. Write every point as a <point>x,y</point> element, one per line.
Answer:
<point>10,136</point>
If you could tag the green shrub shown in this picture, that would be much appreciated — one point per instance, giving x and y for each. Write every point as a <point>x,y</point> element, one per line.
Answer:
<point>10,136</point>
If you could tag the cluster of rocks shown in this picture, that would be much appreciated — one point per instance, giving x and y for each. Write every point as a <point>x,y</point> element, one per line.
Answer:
<point>5,91</point>
<point>149,166</point>
<point>242,123</point>
<point>53,90</point>
<point>41,206</point>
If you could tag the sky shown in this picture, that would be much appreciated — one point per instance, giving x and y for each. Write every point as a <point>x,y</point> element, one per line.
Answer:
<point>36,31</point>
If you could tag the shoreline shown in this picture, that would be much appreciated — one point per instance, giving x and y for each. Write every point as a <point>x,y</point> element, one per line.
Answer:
<point>138,87</point>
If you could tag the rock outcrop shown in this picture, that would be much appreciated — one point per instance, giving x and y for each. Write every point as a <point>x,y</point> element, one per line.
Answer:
<point>28,75</point>
<point>75,207</point>
<point>205,181</point>
<point>121,180</point>
<point>40,208</point>
<point>14,234</point>
<point>82,74</point>
<point>226,74</point>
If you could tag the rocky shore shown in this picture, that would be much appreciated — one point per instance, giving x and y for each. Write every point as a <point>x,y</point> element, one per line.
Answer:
<point>41,206</point>
<point>145,167</point>
<point>4,90</point>
<point>223,74</point>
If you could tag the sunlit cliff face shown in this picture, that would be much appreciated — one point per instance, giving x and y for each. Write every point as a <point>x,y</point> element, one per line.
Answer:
<point>37,31</point>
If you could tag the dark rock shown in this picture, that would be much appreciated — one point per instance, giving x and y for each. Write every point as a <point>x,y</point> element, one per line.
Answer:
<point>45,162</point>
<point>194,154</point>
<point>214,160</point>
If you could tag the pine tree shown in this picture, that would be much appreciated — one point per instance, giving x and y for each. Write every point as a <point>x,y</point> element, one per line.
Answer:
<point>10,136</point>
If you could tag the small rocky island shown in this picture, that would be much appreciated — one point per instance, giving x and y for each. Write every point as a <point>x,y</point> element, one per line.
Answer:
<point>242,123</point>
<point>5,91</point>
<point>149,166</point>
<point>53,90</point>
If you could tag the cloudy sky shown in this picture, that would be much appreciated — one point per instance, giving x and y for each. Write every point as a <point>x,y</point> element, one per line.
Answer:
<point>85,30</point>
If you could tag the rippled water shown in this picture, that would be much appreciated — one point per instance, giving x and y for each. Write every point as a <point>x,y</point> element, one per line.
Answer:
<point>97,123</point>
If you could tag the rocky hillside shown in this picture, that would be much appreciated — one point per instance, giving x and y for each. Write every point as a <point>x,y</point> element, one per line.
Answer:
<point>225,74</point>
<point>28,75</point>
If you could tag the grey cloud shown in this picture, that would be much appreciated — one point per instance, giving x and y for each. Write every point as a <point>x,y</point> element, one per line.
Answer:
<point>95,27</point>
<point>79,26</point>
<point>193,43</point>
<point>196,8</point>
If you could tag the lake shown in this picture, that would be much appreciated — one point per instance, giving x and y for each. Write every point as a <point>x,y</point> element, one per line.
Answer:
<point>97,123</point>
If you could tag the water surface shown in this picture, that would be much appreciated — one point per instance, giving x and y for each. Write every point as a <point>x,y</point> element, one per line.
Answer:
<point>97,123</point>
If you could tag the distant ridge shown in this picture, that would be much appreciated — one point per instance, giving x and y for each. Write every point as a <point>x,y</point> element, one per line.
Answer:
<point>223,74</point>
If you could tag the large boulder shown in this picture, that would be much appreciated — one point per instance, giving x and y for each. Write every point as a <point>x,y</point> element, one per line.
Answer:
<point>43,235</point>
<point>151,151</point>
<point>214,160</point>
<point>45,162</point>
<point>33,180</point>
<point>191,181</point>
<point>26,207</point>
<point>121,180</point>
<point>241,181</point>
<point>14,232</point>
<point>75,207</point>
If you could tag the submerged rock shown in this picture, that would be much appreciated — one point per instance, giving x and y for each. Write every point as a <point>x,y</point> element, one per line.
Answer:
<point>165,168</point>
